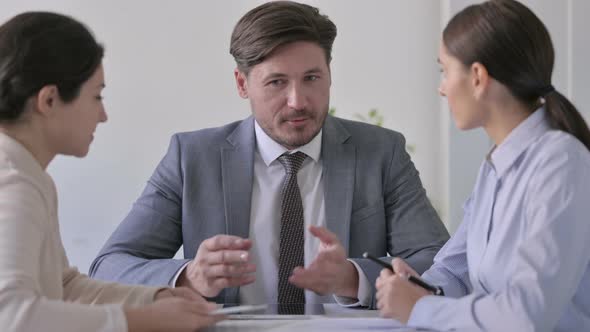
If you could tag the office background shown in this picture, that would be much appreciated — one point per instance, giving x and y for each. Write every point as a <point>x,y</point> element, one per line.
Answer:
<point>168,69</point>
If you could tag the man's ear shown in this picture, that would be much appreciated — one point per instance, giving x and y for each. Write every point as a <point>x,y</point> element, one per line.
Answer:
<point>241,83</point>
<point>480,79</point>
<point>47,99</point>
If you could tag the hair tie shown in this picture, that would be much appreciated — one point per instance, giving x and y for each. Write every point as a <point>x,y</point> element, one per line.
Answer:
<point>544,91</point>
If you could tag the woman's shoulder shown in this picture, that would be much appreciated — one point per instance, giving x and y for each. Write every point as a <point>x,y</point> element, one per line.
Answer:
<point>558,153</point>
<point>560,144</point>
<point>20,189</point>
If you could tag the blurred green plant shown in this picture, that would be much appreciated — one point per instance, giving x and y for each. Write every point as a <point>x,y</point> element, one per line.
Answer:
<point>373,117</point>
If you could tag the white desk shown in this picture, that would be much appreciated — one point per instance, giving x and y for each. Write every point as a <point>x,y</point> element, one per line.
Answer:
<point>337,318</point>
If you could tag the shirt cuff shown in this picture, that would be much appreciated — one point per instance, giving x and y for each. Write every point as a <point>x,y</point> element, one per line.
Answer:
<point>173,281</point>
<point>364,291</point>
<point>422,314</point>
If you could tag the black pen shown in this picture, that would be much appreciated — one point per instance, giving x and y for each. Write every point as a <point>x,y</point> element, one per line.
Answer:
<point>436,290</point>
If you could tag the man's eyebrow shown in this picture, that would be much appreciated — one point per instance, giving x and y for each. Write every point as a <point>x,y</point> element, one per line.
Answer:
<point>314,70</point>
<point>274,76</point>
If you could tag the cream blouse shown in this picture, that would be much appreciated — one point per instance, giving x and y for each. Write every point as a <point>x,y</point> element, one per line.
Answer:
<point>39,291</point>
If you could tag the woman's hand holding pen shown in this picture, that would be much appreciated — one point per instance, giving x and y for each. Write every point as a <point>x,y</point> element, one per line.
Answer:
<point>169,312</point>
<point>396,296</point>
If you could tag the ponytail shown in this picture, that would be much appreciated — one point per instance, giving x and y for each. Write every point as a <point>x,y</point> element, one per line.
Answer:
<point>563,115</point>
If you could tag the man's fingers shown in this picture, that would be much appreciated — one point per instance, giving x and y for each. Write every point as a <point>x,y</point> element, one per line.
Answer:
<point>323,234</point>
<point>303,282</point>
<point>220,242</point>
<point>222,283</point>
<point>226,257</point>
<point>299,271</point>
<point>303,278</point>
<point>229,270</point>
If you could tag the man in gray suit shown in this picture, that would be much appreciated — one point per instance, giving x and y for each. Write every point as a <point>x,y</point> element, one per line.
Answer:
<point>285,200</point>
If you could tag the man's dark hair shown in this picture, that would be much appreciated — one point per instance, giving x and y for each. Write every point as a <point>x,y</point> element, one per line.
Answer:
<point>260,31</point>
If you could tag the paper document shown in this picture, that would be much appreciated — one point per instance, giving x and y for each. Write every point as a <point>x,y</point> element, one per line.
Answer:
<point>271,317</point>
<point>237,309</point>
<point>344,324</point>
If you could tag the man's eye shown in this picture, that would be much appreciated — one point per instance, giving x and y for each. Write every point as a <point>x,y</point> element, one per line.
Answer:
<point>276,82</point>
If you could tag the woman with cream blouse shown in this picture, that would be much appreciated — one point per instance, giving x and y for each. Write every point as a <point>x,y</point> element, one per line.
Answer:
<point>51,78</point>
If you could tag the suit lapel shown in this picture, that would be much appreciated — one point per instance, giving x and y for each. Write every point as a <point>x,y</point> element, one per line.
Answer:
<point>237,164</point>
<point>339,164</point>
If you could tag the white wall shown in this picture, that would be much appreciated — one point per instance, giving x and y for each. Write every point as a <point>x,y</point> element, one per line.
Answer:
<point>579,50</point>
<point>168,69</point>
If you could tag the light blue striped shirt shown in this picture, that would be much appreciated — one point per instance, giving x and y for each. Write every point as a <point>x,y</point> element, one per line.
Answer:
<point>520,259</point>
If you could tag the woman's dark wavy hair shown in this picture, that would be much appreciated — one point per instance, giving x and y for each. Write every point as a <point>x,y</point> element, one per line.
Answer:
<point>39,49</point>
<point>515,47</point>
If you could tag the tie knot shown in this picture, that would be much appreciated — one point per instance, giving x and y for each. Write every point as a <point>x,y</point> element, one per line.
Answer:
<point>292,162</point>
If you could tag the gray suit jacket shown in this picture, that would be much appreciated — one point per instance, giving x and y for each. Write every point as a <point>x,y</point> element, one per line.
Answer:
<point>374,202</point>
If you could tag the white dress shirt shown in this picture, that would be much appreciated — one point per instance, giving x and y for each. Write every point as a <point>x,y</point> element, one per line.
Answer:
<point>265,216</point>
<point>520,259</point>
<point>39,291</point>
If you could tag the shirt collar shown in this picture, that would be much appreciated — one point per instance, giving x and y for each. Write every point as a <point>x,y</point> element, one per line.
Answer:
<point>503,156</point>
<point>270,150</point>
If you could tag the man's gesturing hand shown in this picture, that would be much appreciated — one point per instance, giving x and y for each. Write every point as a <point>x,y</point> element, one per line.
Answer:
<point>222,261</point>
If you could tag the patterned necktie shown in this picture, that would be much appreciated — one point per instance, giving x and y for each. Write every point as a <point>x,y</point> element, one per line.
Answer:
<point>291,236</point>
